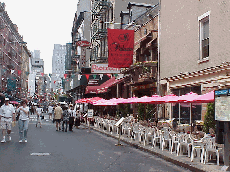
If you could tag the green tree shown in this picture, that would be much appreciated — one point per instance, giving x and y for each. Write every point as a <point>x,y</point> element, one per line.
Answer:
<point>145,111</point>
<point>141,111</point>
<point>124,109</point>
<point>149,111</point>
<point>209,118</point>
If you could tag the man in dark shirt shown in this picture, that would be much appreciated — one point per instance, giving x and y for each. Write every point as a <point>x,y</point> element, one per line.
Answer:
<point>65,118</point>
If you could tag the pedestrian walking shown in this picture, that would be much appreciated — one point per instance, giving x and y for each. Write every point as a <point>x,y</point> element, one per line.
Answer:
<point>23,121</point>
<point>78,118</point>
<point>65,118</point>
<point>50,111</point>
<point>32,109</point>
<point>72,116</point>
<point>7,115</point>
<point>57,116</point>
<point>39,112</point>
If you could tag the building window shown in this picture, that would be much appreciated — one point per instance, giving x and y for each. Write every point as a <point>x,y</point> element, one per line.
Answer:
<point>204,35</point>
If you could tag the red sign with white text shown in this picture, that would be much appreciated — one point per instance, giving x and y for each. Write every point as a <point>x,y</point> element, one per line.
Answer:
<point>120,47</point>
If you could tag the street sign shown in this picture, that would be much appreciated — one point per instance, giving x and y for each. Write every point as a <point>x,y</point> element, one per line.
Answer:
<point>221,92</point>
<point>222,105</point>
<point>90,113</point>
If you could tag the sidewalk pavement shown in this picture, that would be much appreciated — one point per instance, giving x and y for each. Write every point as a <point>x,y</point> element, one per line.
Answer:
<point>181,160</point>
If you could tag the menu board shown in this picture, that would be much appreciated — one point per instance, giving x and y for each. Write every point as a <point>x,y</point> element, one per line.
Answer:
<point>222,108</point>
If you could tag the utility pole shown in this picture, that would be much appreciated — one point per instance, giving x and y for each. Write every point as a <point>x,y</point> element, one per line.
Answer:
<point>158,60</point>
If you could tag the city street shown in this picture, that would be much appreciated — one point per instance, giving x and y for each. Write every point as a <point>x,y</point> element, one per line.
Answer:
<point>80,150</point>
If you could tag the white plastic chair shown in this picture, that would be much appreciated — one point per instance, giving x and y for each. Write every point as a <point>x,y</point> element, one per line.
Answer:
<point>156,137</point>
<point>174,141</point>
<point>198,146</point>
<point>211,147</point>
<point>166,139</point>
<point>135,131</point>
<point>148,134</point>
<point>184,141</point>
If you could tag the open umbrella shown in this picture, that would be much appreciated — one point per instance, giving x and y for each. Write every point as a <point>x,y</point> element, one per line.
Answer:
<point>130,100</point>
<point>171,98</point>
<point>206,98</point>
<point>188,98</point>
<point>94,99</point>
<point>104,103</point>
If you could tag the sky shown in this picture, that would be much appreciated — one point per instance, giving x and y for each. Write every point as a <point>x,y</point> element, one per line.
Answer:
<point>43,23</point>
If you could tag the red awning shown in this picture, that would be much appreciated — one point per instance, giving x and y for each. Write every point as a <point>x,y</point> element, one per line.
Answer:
<point>103,87</point>
<point>111,82</point>
<point>91,89</point>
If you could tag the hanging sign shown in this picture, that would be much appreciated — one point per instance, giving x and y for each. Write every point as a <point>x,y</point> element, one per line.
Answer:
<point>120,47</point>
<point>103,68</point>
<point>83,43</point>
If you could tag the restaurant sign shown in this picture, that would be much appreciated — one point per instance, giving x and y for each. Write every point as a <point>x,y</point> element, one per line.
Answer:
<point>143,87</point>
<point>83,43</point>
<point>103,68</point>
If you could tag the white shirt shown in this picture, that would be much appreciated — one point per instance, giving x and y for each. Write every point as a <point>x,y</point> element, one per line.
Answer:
<point>39,111</point>
<point>72,113</point>
<point>50,109</point>
<point>23,115</point>
<point>7,111</point>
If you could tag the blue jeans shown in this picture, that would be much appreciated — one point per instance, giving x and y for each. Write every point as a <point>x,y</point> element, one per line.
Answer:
<point>23,127</point>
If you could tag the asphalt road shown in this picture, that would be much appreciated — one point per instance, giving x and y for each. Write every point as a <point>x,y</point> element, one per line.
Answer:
<point>78,151</point>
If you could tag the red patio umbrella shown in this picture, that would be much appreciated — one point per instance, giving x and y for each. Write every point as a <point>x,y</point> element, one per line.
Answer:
<point>206,98</point>
<point>144,99</point>
<point>188,98</point>
<point>94,99</point>
<point>171,98</point>
<point>156,99</point>
<point>104,103</point>
<point>130,100</point>
<point>81,100</point>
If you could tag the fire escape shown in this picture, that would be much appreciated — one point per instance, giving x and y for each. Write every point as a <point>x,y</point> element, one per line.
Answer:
<point>101,15</point>
<point>75,38</point>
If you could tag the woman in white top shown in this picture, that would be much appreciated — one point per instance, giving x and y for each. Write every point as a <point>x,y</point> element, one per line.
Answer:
<point>50,111</point>
<point>38,111</point>
<point>23,121</point>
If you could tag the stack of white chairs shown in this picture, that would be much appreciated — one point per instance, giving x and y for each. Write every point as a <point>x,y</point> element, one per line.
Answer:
<point>124,127</point>
<point>166,139</point>
<point>128,129</point>
<point>198,148</point>
<point>141,134</point>
<point>211,147</point>
<point>174,141</point>
<point>156,137</point>
<point>110,126</point>
<point>184,141</point>
<point>149,132</point>
<point>135,131</point>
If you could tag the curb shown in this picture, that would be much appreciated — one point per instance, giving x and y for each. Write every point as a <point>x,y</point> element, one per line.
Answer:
<point>166,158</point>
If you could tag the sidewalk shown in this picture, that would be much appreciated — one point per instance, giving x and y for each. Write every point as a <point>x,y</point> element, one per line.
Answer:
<point>181,160</point>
